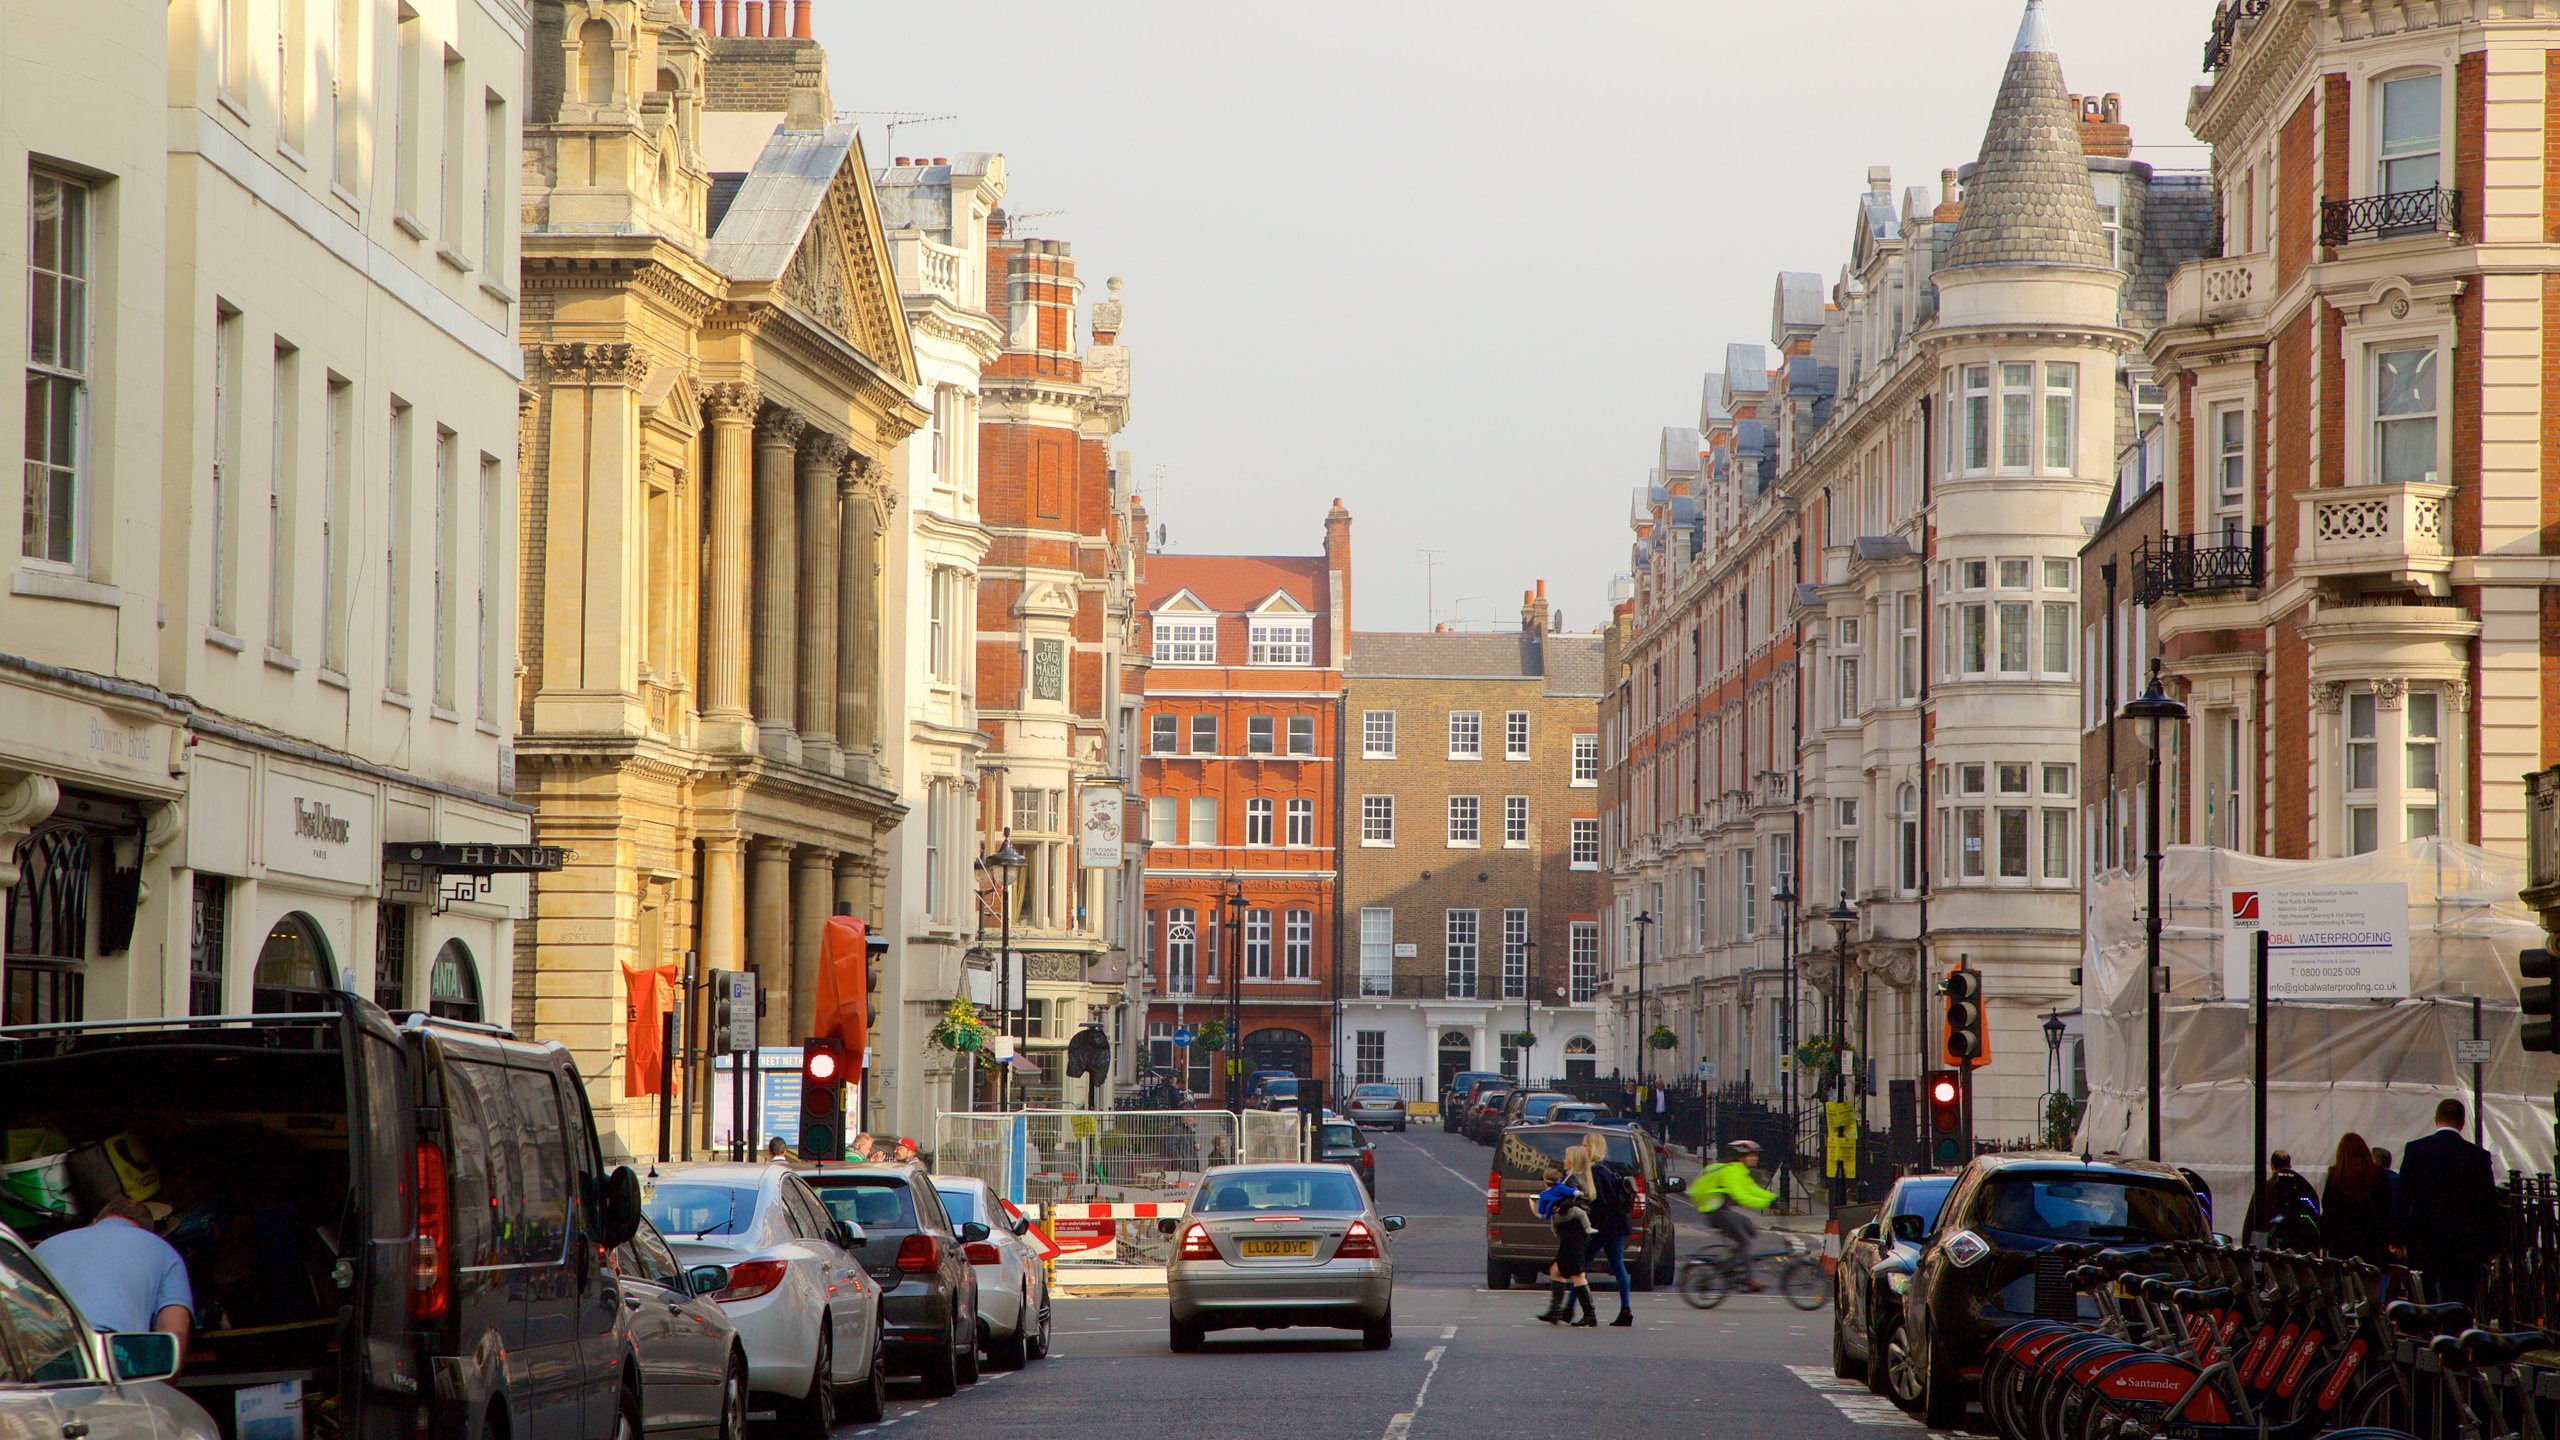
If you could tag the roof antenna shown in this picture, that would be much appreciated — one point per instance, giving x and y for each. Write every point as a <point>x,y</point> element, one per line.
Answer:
<point>1430,611</point>
<point>889,132</point>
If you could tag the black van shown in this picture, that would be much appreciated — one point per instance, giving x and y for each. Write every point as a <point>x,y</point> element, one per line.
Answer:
<point>407,1216</point>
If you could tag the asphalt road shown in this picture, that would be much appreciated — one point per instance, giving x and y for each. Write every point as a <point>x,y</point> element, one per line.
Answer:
<point>1468,1362</point>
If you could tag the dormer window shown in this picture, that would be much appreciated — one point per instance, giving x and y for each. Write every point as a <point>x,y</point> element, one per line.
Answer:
<point>1282,640</point>
<point>1186,632</point>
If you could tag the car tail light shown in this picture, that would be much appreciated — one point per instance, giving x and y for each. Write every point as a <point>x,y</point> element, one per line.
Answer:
<point>1357,1243</point>
<point>1196,1244</point>
<point>920,1254</point>
<point>1638,1206</point>
<point>430,1282</point>
<point>751,1278</point>
<point>982,1253</point>
<point>1493,1193</point>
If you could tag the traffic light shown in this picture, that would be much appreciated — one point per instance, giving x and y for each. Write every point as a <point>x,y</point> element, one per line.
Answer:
<point>1942,1091</point>
<point>1967,1047</point>
<point>822,1077</point>
<point>725,1024</point>
<point>2540,1003</point>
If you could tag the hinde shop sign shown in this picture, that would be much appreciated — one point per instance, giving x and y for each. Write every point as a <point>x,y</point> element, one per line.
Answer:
<point>1098,817</point>
<point>2324,942</point>
<point>319,830</point>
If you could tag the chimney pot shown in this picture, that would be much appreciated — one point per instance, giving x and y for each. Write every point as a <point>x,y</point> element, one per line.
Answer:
<point>755,19</point>
<point>800,19</point>
<point>729,18</point>
<point>941,159</point>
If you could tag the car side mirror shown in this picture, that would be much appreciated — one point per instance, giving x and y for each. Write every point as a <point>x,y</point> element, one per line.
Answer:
<point>971,1232</point>
<point>706,1279</point>
<point>1166,1228</point>
<point>1870,1233</point>
<point>1674,1182</point>
<point>147,1355</point>
<point>848,1235</point>
<point>621,1215</point>
<point>1019,1225</point>
<point>1393,1223</point>
<point>1907,1227</point>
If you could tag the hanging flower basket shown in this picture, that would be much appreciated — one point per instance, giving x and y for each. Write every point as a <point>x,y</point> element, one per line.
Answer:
<point>1521,1039</point>
<point>959,1031</point>
<point>1211,1037</point>
<point>1662,1038</point>
<point>1820,1053</point>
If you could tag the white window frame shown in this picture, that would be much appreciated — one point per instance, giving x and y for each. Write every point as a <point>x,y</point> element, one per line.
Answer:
<point>1515,822</point>
<point>67,466</point>
<point>1257,821</point>
<point>1257,943</point>
<point>1192,732</point>
<point>2378,160</point>
<point>1377,950</point>
<point>1378,822</point>
<point>1185,638</point>
<point>1377,734</point>
<point>1582,960</point>
<point>1164,733</point>
<point>1301,728</point>
<point>1466,734</point>
<point>1262,735</point>
<point>1466,822</point>
<point>1461,945</point>
<point>1515,954</point>
<point>1586,761</point>
<point>1515,735</point>
<point>2228,473</point>
<point>1746,892</point>
<point>1585,850</point>
<point>1281,640</point>
<point>2377,423</point>
<point>1300,817</point>
<point>2061,623</point>
<point>2058,418</point>
<point>1203,808</point>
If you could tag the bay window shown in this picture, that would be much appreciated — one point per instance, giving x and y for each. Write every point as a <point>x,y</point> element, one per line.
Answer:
<point>2013,639</point>
<point>1977,419</point>
<point>1186,640</point>
<point>2013,843</point>
<point>2421,737</point>
<point>2230,509</point>
<point>2061,407</point>
<point>2363,773</point>
<point>2017,415</point>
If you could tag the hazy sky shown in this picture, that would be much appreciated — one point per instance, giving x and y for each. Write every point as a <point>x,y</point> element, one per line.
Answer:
<point>1457,263</point>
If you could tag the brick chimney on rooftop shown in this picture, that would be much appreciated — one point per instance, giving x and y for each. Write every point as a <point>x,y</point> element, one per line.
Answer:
<point>2103,133</point>
<point>1950,204</point>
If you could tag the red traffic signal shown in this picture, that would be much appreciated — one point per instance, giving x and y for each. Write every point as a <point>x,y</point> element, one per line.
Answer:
<point>822,1081</point>
<point>820,1065</point>
<point>1944,1127</point>
<point>1942,1091</point>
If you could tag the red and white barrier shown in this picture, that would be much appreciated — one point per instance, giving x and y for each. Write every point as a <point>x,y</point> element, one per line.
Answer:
<point>1116,1210</point>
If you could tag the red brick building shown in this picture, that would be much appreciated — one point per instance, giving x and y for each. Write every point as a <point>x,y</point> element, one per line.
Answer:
<point>1239,772</point>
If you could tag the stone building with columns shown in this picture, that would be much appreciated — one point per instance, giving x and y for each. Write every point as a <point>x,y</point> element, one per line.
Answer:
<point>718,369</point>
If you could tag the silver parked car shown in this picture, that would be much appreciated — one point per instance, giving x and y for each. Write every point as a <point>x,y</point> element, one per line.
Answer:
<point>59,1377</point>
<point>1271,1246</point>
<point>691,1367</point>
<point>793,1285</point>
<point>1376,1105</point>
<point>1013,1284</point>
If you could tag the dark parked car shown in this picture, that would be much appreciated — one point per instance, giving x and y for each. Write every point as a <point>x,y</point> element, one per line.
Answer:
<point>1531,1107</point>
<point>1875,1268</point>
<point>1984,1269</point>
<point>1484,1118</point>
<point>1461,1093</point>
<point>1277,1092</point>
<point>691,1368</point>
<point>1342,1142</point>
<point>410,1215</point>
<point>1518,1245</point>
<point>929,1301</point>
<point>1582,1112</point>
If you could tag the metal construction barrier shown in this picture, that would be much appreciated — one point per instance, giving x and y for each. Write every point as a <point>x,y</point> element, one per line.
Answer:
<point>1104,1182</point>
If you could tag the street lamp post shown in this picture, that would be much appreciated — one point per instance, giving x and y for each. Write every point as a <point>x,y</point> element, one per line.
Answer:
<point>1644,1014</point>
<point>1528,989</point>
<point>2053,1029</point>
<point>1004,862</point>
<point>1842,918</point>
<point>2156,705</point>
<point>1233,902</point>
<point>1785,900</point>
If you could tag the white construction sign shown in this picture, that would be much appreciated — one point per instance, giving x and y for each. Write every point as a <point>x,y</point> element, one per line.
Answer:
<point>2324,942</point>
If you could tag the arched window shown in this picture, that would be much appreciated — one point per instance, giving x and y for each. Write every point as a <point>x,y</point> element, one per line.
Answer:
<point>1581,1059</point>
<point>293,967</point>
<point>1181,950</point>
<point>595,62</point>
<point>453,986</point>
<point>47,941</point>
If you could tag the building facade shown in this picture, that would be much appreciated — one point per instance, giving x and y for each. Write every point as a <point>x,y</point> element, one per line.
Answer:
<point>1052,627</point>
<point>1850,665</point>
<point>937,214</point>
<point>2351,576</point>
<point>1471,880</point>
<point>1241,781</point>
<point>720,370</point>
<point>255,699</point>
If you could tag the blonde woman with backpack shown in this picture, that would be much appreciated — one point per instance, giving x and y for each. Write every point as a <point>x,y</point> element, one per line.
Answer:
<point>1612,1195</point>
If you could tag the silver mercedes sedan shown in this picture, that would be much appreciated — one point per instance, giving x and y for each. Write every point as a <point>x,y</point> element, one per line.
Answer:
<point>1266,1247</point>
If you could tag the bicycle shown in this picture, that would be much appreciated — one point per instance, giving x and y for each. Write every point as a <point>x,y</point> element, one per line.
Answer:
<point>1709,1275</point>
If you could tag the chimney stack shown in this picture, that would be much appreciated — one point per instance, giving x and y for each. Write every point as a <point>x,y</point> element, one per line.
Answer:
<point>800,19</point>
<point>729,18</point>
<point>2103,133</point>
<point>1950,204</point>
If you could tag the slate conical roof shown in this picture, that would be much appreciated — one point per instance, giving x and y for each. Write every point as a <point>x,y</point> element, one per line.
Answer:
<point>2029,201</point>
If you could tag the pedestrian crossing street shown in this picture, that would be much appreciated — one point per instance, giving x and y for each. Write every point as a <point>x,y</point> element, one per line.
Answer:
<point>1854,1401</point>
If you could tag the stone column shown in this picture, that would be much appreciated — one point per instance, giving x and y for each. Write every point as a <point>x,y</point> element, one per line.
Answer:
<point>719,925</point>
<point>769,936</point>
<point>813,894</point>
<point>820,459</point>
<point>727,724</point>
<point>776,583</point>
<point>858,678</point>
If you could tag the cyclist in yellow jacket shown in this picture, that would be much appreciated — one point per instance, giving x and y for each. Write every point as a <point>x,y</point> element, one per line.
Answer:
<point>1726,1194</point>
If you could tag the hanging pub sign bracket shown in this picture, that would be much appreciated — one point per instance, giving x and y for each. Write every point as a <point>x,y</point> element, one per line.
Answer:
<point>447,875</point>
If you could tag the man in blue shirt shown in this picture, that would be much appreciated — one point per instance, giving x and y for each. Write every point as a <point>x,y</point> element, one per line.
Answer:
<point>121,1274</point>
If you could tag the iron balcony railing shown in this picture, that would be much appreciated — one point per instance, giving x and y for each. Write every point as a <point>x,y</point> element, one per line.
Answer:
<point>2406,212</point>
<point>2226,30</point>
<point>2172,565</point>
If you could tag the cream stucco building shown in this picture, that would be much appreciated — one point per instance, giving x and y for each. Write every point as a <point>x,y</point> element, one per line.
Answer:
<point>256,653</point>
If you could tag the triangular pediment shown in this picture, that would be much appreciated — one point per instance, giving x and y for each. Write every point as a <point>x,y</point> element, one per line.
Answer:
<point>842,272</point>
<point>1281,602</point>
<point>1183,602</point>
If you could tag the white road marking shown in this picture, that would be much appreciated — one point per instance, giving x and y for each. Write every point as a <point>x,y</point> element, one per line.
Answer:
<point>1436,1160</point>
<point>1855,1402</point>
<point>1448,1332</point>
<point>1402,1424</point>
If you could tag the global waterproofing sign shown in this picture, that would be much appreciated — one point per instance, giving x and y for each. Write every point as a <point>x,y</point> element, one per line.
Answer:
<point>2324,942</point>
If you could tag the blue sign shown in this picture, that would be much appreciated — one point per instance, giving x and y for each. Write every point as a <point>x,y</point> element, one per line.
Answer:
<point>1182,1036</point>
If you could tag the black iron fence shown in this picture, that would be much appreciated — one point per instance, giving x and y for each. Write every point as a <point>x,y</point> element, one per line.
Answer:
<point>2405,212</point>
<point>2196,564</point>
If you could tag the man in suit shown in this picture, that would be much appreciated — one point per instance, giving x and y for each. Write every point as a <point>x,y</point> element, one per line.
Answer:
<point>2444,1217</point>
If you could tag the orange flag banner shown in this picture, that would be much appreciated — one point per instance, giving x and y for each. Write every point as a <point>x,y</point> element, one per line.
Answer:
<point>651,995</point>
<point>844,986</point>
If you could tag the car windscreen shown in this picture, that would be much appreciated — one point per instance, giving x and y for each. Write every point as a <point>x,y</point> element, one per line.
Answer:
<point>1536,1106</point>
<point>1338,1137</point>
<point>1281,1085</point>
<point>1377,1092</point>
<point>1924,1201</point>
<point>2105,1208</point>
<point>1579,1114</point>
<point>686,1210</point>
<point>960,1205</point>
<point>1279,1192</point>
<point>881,1202</point>
<point>1526,1152</point>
